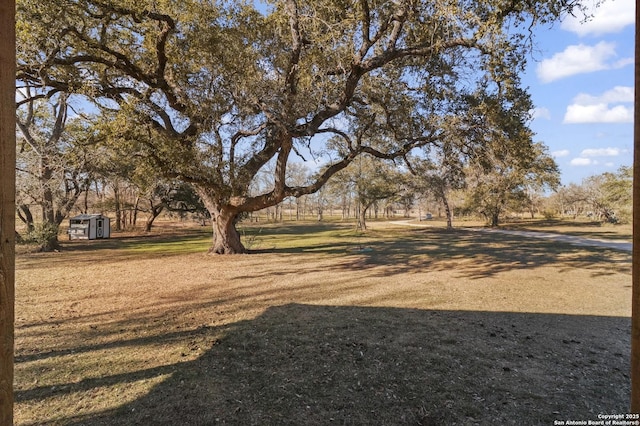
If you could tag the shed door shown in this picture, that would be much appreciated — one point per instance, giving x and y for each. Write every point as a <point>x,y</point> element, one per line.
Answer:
<point>100,228</point>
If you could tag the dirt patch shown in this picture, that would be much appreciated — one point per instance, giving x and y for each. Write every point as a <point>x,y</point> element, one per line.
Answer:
<point>429,327</point>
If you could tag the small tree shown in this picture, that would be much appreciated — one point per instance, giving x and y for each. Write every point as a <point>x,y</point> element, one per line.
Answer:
<point>507,161</point>
<point>571,199</point>
<point>176,197</point>
<point>369,181</point>
<point>440,174</point>
<point>52,164</point>
<point>610,195</point>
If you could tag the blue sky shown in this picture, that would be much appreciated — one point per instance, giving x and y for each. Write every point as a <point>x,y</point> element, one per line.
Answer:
<point>581,83</point>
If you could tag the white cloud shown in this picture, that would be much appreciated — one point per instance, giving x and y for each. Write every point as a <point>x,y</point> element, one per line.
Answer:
<point>605,108</point>
<point>623,63</point>
<point>610,17</point>
<point>619,94</point>
<point>560,153</point>
<point>541,113</point>
<point>583,162</point>
<point>600,152</point>
<point>601,113</point>
<point>579,59</point>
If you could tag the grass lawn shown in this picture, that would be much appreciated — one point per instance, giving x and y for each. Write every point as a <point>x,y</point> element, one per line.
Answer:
<point>322,325</point>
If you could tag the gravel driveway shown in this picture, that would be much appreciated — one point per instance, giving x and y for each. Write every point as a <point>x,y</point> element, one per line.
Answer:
<point>621,245</point>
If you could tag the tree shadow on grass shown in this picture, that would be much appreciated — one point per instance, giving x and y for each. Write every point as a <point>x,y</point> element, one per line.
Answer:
<point>302,364</point>
<point>123,247</point>
<point>586,229</point>
<point>471,254</point>
<point>139,241</point>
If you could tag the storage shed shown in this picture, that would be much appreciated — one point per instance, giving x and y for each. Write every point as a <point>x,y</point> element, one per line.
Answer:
<point>89,227</point>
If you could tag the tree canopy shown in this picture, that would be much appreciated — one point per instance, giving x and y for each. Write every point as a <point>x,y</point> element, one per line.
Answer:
<point>210,92</point>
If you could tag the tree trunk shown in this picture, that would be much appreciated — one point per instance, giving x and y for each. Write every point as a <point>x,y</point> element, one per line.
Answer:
<point>25,215</point>
<point>135,211</point>
<point>495,219</point>
<point>48,209</point>
<point>155,212</point>
<point>532,210</point>
<point>226,238</point>
<point>116,200</point>
<point>85,203</point>
<point>49,226</point>
<point>448,213</point>
<point>362,218</point>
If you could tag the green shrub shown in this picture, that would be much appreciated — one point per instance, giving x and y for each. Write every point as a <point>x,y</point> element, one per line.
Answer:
<point>45,235</point>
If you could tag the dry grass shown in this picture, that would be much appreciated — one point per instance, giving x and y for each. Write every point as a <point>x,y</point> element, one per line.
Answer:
<point>322,325</point>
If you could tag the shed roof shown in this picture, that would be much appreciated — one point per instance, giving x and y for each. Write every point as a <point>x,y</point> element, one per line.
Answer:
<point>87,216</point>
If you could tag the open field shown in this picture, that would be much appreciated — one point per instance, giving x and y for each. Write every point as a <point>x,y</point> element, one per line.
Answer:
<point>322,325</point>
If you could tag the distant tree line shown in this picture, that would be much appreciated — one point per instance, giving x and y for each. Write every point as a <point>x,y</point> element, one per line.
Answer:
<point>606,197</point>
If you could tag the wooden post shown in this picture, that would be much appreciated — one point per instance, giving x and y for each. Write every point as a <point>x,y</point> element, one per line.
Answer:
<point>635,299</point>
<point>7,205</point>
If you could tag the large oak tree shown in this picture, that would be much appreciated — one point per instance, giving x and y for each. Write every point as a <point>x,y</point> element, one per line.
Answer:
<point>212,91</point>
